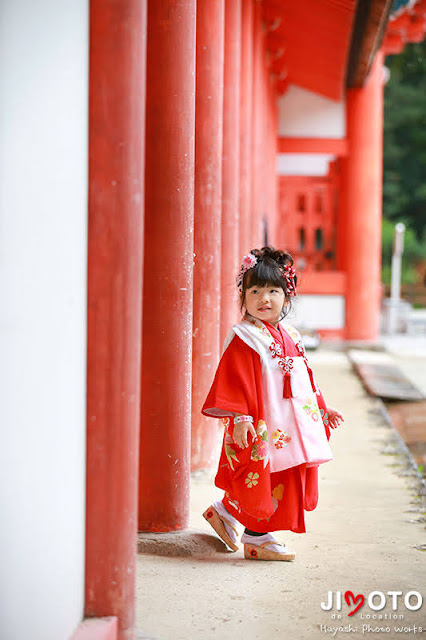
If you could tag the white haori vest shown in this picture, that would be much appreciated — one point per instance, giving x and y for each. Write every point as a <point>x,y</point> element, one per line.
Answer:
<point>296,433</point>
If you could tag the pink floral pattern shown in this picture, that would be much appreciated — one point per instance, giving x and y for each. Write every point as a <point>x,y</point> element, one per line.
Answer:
<point>259,327</point>
<point>280,438</point>
<point>311,408</point>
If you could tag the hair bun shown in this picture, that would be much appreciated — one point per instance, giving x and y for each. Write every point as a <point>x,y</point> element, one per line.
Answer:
<point>270,253</point>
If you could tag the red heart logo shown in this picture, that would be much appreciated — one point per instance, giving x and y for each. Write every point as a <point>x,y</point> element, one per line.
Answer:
<point>359,597</point>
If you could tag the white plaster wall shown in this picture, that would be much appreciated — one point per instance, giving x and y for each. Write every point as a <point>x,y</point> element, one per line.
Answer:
<point>43,248</point>
<point>304,114</point>
<point>303,164</point>
<point>318,311</point>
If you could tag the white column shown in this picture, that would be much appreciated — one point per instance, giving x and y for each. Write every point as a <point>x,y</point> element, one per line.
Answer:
<point>43,213</point>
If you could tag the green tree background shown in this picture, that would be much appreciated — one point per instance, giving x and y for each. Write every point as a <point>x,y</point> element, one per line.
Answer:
<point>404,157</point>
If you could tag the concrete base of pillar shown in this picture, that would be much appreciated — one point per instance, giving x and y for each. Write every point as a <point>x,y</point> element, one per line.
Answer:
<point>190,542</point>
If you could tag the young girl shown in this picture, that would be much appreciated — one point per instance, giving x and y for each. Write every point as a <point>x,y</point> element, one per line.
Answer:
<point>275,418</point>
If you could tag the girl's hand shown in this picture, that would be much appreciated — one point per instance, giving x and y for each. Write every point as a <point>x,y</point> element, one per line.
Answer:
<point>334,417</point>
<point>240,433</point>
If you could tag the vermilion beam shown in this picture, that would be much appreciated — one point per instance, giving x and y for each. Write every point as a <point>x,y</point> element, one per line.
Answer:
<point>335,146</point>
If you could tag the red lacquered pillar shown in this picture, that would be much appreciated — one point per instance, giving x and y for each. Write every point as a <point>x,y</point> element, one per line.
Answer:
<point>257,150</point>
<point>115,243</point>
<point>246,126</point>
<point>271,171</point>
<point>341,215</point>
<point>361,186</point>
<point>231,175</point>
<point>265,141</point>
<point>207,230</point>
<point>168,267</point>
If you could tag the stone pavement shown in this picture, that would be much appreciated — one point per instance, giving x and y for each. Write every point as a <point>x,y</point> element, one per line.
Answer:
<point>367,534</point>
<point>409,353</point>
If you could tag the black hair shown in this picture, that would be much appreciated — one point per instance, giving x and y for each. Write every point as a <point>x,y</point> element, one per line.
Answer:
<point>268,271</point>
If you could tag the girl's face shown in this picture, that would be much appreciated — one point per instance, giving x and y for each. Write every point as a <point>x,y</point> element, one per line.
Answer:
<point>265,303</point>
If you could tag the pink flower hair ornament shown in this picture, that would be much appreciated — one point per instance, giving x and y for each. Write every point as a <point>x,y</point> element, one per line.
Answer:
<point>249,261</point>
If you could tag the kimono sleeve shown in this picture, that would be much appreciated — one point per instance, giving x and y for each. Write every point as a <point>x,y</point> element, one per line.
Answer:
<point>237,383</point>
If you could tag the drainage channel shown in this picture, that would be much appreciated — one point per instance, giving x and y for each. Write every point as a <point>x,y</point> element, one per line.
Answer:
<point>403,401</point>
<point>409,419</point>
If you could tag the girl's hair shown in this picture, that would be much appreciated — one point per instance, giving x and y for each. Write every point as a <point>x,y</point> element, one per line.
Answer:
<point>268,270</point>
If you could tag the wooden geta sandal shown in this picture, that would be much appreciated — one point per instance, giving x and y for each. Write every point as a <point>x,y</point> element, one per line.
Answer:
<point>216,521</point>
<point>261,552</point>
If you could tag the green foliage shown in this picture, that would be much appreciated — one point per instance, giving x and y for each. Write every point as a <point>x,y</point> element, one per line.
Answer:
<point>414,252</point>
<point>404,144</point>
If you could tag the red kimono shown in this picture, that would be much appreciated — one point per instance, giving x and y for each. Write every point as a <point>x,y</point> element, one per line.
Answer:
<point>261,500</point>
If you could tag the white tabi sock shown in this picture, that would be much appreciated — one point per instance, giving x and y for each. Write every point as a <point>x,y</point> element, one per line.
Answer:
<point>224,513</point>
<point>267,537</point>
